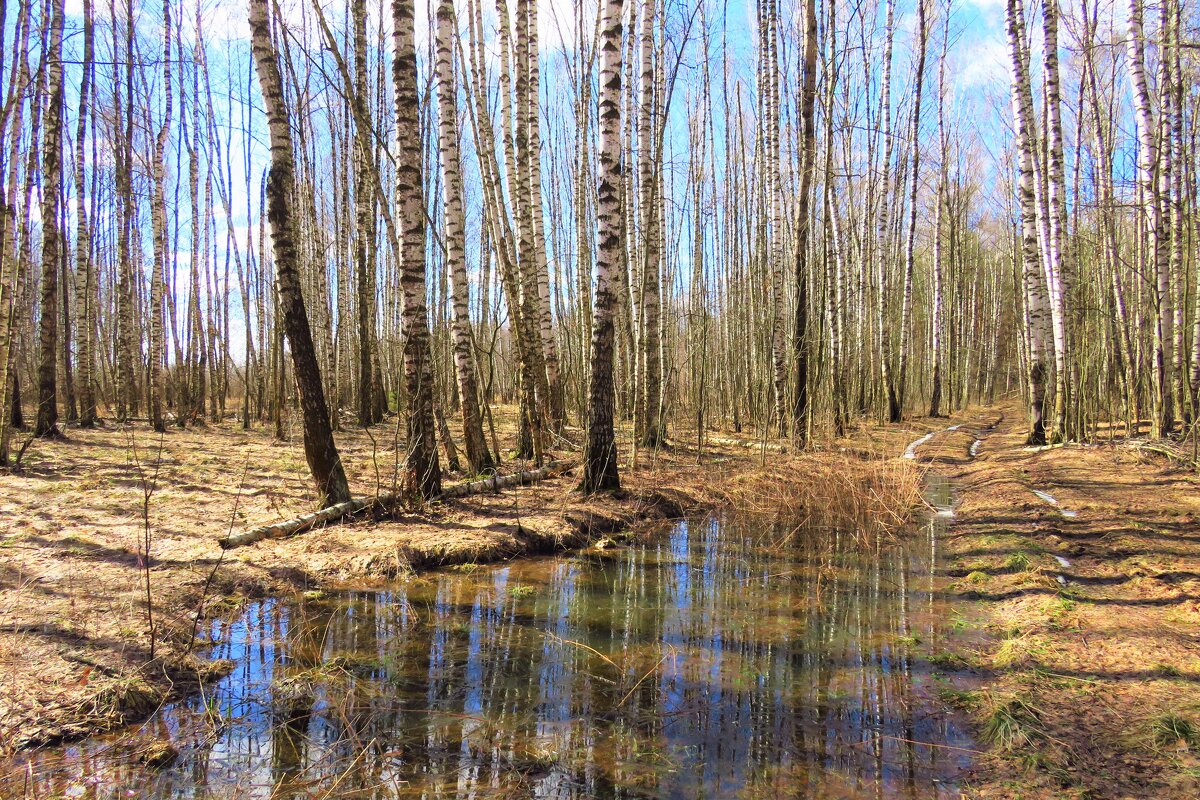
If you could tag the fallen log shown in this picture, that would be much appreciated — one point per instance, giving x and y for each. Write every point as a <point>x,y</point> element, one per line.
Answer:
<point>333,514</point>
<point>1171,451</point>
<point>498,482</point>
<point>749,444</point>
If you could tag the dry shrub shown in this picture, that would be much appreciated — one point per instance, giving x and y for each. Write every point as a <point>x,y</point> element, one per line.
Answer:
<point>873,498</point>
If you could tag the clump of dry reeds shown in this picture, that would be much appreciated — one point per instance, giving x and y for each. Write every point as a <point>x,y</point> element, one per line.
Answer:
<point>871,498</point>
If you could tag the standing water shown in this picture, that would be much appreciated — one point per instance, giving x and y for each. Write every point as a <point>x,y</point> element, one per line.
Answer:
<point>710,661</point>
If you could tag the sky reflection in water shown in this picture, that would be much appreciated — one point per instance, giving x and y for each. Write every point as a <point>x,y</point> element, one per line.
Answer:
<point>692,666</point>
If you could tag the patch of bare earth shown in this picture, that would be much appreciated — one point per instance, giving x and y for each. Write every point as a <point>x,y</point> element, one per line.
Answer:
<point>1090,597</point>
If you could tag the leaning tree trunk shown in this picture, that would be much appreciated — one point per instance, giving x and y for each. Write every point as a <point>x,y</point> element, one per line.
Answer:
<point>9,263</point>
<point>47,415</point>
<point>423,472</point>
<point>319,447</point>
<point>478,456</point>
<point>600,455</point>
<point>556,400</point>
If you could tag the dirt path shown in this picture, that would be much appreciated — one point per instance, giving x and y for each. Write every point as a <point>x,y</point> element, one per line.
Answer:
<point>1079,571</point>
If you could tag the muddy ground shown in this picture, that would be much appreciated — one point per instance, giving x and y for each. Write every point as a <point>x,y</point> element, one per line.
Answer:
<point>1081,613</point>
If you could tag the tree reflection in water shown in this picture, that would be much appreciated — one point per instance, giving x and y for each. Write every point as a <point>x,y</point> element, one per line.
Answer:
<point>696,665</point>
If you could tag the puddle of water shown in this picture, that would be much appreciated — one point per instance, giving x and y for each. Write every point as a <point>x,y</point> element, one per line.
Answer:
<point>910,452</point>
<point>697,665</point>
<point>1052,500</point>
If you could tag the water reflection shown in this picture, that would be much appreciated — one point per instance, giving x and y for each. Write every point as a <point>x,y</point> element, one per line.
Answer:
<point>695,666</point>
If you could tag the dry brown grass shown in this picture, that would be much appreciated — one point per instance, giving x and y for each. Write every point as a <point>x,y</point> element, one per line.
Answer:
<point>1106,652</point>
<point>871,498</point>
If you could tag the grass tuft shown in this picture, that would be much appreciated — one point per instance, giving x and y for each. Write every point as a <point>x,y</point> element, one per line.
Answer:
<point>1170,729</point>
<point>1019,561</point>
<point>1016,652</point>
<point>948,661</point>
<point>1012,724</point>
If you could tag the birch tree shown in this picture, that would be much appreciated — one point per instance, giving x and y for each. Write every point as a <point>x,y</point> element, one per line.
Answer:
<point>600,453</point>
<point>47,415</point>
<point>421,462</point>
<point>319,448</point>
<point>478,456</point>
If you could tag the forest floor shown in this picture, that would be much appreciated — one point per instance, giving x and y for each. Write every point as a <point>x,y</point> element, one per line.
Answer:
<point>1084,602</point>
<point>1085,689</point>
<point>75,647</point>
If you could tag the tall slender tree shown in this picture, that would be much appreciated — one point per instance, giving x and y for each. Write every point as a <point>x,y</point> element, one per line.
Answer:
<point>600,454</point>
<point>906,301</point>
<point>1028,249</point>
<point>808,165</point>
<point>478,456</point>
<point>364,233</point>
<point>1152,221</point>
<point>319,448</point>
<point>423,473</point>
<point>47,416</point>
<point>85,279</point>
<point>650,423</point>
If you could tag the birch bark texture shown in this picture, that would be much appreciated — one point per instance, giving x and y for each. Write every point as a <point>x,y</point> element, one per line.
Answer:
<point>600,453</point>
<point>478,456</point>
<point>423,473</point>
<point>47,415</point>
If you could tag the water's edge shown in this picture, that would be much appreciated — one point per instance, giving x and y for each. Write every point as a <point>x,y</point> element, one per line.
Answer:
<point>690,664</point>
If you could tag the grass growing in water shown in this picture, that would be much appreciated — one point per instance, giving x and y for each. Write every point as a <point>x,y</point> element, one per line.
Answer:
<point>874,498</point>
